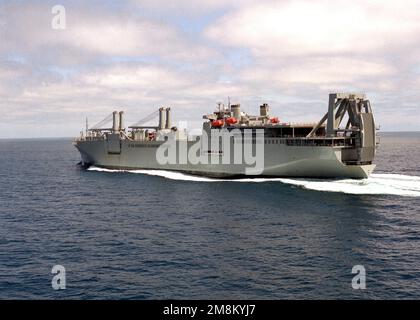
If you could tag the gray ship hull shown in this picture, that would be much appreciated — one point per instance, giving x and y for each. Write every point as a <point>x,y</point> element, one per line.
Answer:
<point>280,160</point>
<point>234,143</point>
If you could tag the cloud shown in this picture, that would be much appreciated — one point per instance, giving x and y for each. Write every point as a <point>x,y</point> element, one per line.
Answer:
<point>92,33</point>
<point>321,71</point>
<point>141,54</point>
<point>320,27</point>
<point>307,49</point>
<point>355,43</point>
<point>189,7</point>
<point>134,77</point>
<point>140,88</point>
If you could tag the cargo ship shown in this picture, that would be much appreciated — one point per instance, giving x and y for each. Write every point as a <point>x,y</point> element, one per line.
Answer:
<point>233,143</point>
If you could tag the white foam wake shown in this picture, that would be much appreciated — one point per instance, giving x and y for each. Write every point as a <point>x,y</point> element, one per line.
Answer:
<point>379,184</point>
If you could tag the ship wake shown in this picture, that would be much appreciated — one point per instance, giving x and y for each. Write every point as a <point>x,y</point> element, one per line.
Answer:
<point>376,184</point>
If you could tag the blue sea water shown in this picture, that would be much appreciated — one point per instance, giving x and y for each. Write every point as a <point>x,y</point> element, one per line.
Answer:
<point>157,235</point>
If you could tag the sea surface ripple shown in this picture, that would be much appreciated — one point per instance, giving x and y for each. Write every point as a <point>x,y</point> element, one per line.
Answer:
<point>158,234</point>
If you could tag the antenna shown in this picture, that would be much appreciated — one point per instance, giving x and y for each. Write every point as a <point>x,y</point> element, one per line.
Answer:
<point>219,106</point>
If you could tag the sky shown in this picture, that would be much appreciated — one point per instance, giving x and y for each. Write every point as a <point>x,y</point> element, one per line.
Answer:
<point>138,55</point>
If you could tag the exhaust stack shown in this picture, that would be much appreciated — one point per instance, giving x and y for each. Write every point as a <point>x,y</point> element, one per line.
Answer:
<point>168,118</point>
<point>122,121</point>
<point>236,111</point>
<point>115,121</point>
<point>161,118</point>
<point>264,110</point>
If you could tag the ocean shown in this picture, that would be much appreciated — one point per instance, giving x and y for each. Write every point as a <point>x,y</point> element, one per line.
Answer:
<point>163,235</point>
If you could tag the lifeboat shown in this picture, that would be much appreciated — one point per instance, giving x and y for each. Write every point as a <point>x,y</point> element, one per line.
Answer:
<point>231,120</point>
<point>217,123</point>
<point>274,120</point>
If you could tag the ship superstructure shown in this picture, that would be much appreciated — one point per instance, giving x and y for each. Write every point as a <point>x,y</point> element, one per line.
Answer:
<point>341,144</point>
